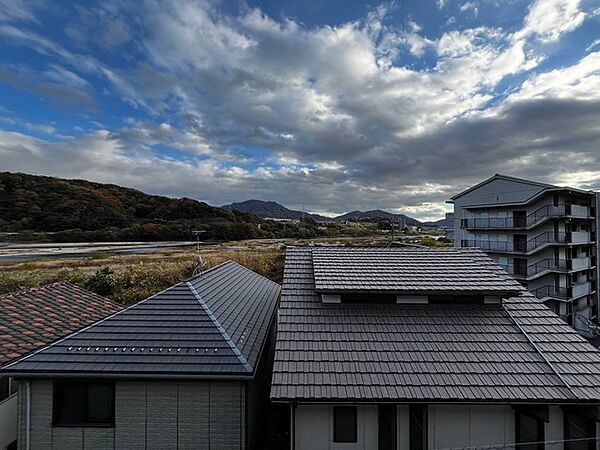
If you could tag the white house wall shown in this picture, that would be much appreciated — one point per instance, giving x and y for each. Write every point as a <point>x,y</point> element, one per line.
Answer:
<point>8,420</point>
<point>448,426</point>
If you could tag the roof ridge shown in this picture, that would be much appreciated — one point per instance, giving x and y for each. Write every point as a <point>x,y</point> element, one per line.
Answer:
<point>220,328</point>
<point>541,353</point>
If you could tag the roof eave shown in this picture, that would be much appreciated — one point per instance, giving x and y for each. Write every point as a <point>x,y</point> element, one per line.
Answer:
<point>129,376</point>
<point>562,402</point>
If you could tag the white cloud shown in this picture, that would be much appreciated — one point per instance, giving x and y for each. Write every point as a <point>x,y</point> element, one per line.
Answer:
<point>593,45</point>
<point>338,118</point>
<point>548,20</point>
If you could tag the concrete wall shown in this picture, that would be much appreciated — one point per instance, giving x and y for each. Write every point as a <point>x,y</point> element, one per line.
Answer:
<point>148,415</point>
<point>448,426</point>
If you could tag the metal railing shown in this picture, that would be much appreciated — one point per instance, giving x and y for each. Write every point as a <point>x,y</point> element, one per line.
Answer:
<point>491,222</point>
<point>547,211</point>
<point>548,237</point>
<point>548,290</point>
<point>547,264</point>
<point>543,212</point>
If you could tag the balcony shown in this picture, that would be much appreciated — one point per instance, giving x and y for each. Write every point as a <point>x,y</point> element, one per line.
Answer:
<point>580,212</point>
<point>499,223</point>
<point>581,263</point>
<point>549,237</point>
<point>581,289</point>
<point>581,237</point>
<point>546,265</point>
<point>532,219</point>
<point>551,292</point>
<point>523,246</point>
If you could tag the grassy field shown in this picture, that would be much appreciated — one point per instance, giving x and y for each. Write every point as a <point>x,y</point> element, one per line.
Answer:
<point>131,278</point>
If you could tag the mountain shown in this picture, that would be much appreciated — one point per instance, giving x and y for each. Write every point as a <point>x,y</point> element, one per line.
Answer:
<point>442,223</point>
<point>378,214</point>
<point>271,209</point>
<point>46,204</point>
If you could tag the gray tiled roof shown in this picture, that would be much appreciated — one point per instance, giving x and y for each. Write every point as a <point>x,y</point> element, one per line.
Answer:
<point>425,352</point>
<point>215,323</point>
<point>406,270</point>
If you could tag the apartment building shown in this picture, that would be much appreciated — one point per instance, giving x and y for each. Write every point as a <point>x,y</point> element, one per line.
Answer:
<point>544,235</point>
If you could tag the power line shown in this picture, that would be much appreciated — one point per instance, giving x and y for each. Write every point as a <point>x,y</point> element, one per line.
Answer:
<point>518,445</point>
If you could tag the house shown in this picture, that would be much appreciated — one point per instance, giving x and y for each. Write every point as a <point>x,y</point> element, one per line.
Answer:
<point>546,236</point>
<point>32,319</point>
<point>181,369</point>
<point>407,348</point>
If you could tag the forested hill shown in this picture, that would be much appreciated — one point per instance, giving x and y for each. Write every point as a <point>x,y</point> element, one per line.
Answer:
<point>39,203</point>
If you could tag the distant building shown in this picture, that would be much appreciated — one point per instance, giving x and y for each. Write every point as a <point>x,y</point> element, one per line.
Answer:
<point>280,220</point>
<point>544,235</point>
<point>414,349</point>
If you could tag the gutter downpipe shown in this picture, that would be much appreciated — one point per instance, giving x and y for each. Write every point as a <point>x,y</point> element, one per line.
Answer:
<point>28,417</point>
<point>292,426</point>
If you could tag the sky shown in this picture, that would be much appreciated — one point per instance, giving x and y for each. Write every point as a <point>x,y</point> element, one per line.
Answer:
<point>334,105</point>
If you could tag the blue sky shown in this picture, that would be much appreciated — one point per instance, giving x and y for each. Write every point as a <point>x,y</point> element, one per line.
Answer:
<point>337,105</point>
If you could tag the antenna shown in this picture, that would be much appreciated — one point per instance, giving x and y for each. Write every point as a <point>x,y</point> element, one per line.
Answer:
<point>199,269</point>
<point>200,263</point>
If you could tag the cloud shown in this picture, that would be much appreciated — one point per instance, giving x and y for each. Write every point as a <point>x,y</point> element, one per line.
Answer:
<point>62,95</point>
<point>17,10</point>
<point>548,20</point>
<point>242,105</point>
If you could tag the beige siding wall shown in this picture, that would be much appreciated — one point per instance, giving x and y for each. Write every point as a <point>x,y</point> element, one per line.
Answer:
<point>148,415</point>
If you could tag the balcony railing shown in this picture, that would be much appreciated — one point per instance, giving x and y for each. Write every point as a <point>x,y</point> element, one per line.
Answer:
<point>548,290</point>
<point>491,222</point>
<point>546,264</point>
<point>581,289</point>
<point>547,211</point>
<point>532,244</point>
<point>548,237</point>
<point>531,219</point>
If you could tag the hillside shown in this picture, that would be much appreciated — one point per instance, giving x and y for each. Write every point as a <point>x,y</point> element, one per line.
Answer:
<point>270,209</point>
<point>378,214</point>
<point>46,204</point>
<point>442,223</point>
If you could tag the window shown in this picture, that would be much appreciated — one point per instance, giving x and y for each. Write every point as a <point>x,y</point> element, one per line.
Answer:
<point>387,427</point>
<point>344,424</point>
<point>84,403</point>
<point>418,427</point>
<point>579,430</point>
<point>530,427</point>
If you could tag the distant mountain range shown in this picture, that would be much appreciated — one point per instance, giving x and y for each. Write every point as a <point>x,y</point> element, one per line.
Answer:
<point>442,223</point>
<point>379,214</point>
<point>272,210</point>
<point>276,211</point>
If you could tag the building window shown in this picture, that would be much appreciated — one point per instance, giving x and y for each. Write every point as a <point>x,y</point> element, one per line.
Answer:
<point>387,427</point>
<point>84,403</point>
<point>344,424</point>
<point>529,428</point>
<point>417,427</point>
<point>579,431</point>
